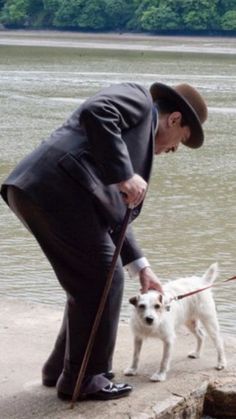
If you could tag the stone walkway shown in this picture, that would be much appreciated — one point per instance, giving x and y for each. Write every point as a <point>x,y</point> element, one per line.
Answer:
<point>27,333</point>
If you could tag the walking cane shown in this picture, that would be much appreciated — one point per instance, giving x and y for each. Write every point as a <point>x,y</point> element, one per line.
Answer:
<point>101,307</point>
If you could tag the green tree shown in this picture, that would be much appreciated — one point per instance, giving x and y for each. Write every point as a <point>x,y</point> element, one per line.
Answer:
<point>2,2</point>
<point>160,18</point>
<point>225,6</point>
<point>35,13</point>
<point>67,13</point>
<point>92,15</point>
<point>34,7</point>
<point>50,9</point>
<point>200,15</point>
<point>15,13</point>
<point>228,21</point>
<point>51,5</point>
<point>118,13</point>
<point>141,15</point>
<point>140,7</point>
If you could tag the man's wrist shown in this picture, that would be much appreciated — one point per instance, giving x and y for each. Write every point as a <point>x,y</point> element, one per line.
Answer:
<point>145,268</point>
<point>135,267</point>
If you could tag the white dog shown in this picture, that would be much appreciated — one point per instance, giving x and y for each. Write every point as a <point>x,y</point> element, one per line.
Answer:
<point>157,315</point>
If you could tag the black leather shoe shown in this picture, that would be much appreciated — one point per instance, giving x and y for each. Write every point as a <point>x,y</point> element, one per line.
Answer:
<point>110,392</point>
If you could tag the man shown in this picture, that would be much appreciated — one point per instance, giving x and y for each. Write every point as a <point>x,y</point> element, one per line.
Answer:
<point>72,193</point>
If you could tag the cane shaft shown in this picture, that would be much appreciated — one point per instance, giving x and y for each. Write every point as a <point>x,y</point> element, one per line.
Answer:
<point>100,308</point>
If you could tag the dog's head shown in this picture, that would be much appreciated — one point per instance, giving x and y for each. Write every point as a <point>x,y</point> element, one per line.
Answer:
<point>149,307</point>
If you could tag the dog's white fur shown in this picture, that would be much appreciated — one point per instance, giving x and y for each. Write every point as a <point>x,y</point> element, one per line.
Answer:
<point>151,318</point>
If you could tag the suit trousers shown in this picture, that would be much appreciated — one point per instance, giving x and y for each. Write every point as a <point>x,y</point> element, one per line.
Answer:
<point>77,243</point>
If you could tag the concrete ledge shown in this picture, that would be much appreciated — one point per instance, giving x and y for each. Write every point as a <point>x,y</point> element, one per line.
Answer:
<point>27,333</point>
<point>221,398</point>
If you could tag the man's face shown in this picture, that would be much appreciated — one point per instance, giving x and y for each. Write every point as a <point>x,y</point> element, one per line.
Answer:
<point>170,133</point>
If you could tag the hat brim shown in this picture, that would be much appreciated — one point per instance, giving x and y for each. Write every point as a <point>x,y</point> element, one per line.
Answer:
<point>162,91</point>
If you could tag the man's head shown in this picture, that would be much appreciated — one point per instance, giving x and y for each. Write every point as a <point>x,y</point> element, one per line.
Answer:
<point>182,111</point>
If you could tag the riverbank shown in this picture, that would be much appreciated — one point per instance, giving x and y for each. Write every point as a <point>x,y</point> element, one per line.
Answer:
<point>122,41</point>
<point>27,333</point>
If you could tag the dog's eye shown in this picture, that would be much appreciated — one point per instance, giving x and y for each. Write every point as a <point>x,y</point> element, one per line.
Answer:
<point>157,306</point>
<point>142,306</point>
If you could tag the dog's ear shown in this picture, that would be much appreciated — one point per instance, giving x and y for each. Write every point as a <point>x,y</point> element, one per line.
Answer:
<point>133,300</point>
<point>211,274</point>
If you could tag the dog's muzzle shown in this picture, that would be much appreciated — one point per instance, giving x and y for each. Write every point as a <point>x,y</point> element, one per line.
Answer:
<point>149,320</point>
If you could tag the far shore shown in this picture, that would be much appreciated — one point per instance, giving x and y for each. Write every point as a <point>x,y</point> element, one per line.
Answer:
<point>119,41</point>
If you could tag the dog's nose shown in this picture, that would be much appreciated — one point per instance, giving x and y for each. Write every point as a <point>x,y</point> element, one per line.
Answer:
<point>149,319</point>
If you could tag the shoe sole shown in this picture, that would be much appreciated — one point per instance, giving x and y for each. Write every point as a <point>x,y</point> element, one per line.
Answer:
<point>118,396</point>
<point>89,397</point>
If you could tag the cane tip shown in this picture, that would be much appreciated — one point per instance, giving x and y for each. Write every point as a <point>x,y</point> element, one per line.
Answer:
<point>72,405</point>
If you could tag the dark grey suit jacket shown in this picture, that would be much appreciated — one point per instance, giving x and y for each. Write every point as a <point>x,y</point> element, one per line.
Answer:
<point>105,141</point>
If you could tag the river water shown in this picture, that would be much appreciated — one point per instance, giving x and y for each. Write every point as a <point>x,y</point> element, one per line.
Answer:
<point>189,217</point>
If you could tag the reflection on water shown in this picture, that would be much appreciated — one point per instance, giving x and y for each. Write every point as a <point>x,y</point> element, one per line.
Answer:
<point>189,216</point>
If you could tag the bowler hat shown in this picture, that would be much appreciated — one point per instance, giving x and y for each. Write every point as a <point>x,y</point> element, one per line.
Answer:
<point>190,103</point>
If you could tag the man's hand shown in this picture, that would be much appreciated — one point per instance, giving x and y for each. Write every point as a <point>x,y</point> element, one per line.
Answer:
<point>149,281</point>
<point>134,190</point>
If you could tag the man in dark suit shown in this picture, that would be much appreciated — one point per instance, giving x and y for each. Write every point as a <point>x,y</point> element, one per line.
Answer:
<point>72,191</point>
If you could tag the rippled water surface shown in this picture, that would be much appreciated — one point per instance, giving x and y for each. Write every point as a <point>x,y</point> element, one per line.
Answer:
<point>189,217</point>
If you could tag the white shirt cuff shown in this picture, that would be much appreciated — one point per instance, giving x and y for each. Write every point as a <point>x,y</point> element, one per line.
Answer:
<point>133,268</point>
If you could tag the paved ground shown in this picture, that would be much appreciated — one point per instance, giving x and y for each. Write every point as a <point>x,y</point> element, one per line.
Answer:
<point>27,332</point>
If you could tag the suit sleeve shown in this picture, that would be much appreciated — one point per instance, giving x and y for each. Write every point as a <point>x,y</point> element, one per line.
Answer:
<point>105,117</point>
<point>130,250</point>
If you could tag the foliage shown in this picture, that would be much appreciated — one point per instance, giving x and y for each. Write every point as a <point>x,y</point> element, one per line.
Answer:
<point>68,12</point>
<point>140,7</point>
<point>15,12</point>
<point>93,14</point>
<point>155,16</point>
<point>50,9</point>
<point>2,4</point>
<point>226,5</point>
<point>118,13</point>
<point>203,20</point>
<point>160,18</point>
<point>228,21</point>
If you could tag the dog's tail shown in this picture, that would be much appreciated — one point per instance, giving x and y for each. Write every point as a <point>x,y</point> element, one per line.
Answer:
<point>211,274</point>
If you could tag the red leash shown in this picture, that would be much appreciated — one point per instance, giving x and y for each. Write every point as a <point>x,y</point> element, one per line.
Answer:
<point>179,297</point>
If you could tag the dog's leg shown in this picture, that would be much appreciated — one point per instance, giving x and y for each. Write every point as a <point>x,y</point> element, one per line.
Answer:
<point>212,326</point>
<point>132,370</point>
<point>194,327</point>
<point>165,362</point>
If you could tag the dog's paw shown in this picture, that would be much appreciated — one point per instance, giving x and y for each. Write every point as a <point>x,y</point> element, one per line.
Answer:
<point>158,376</point>
<point>194,355</point>
<point>221,366</point>
<point>130,371</point>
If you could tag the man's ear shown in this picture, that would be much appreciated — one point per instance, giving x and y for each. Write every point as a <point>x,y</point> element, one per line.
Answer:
<point>133,301</point>
<point>174,118</point>
<point>161,298</point>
